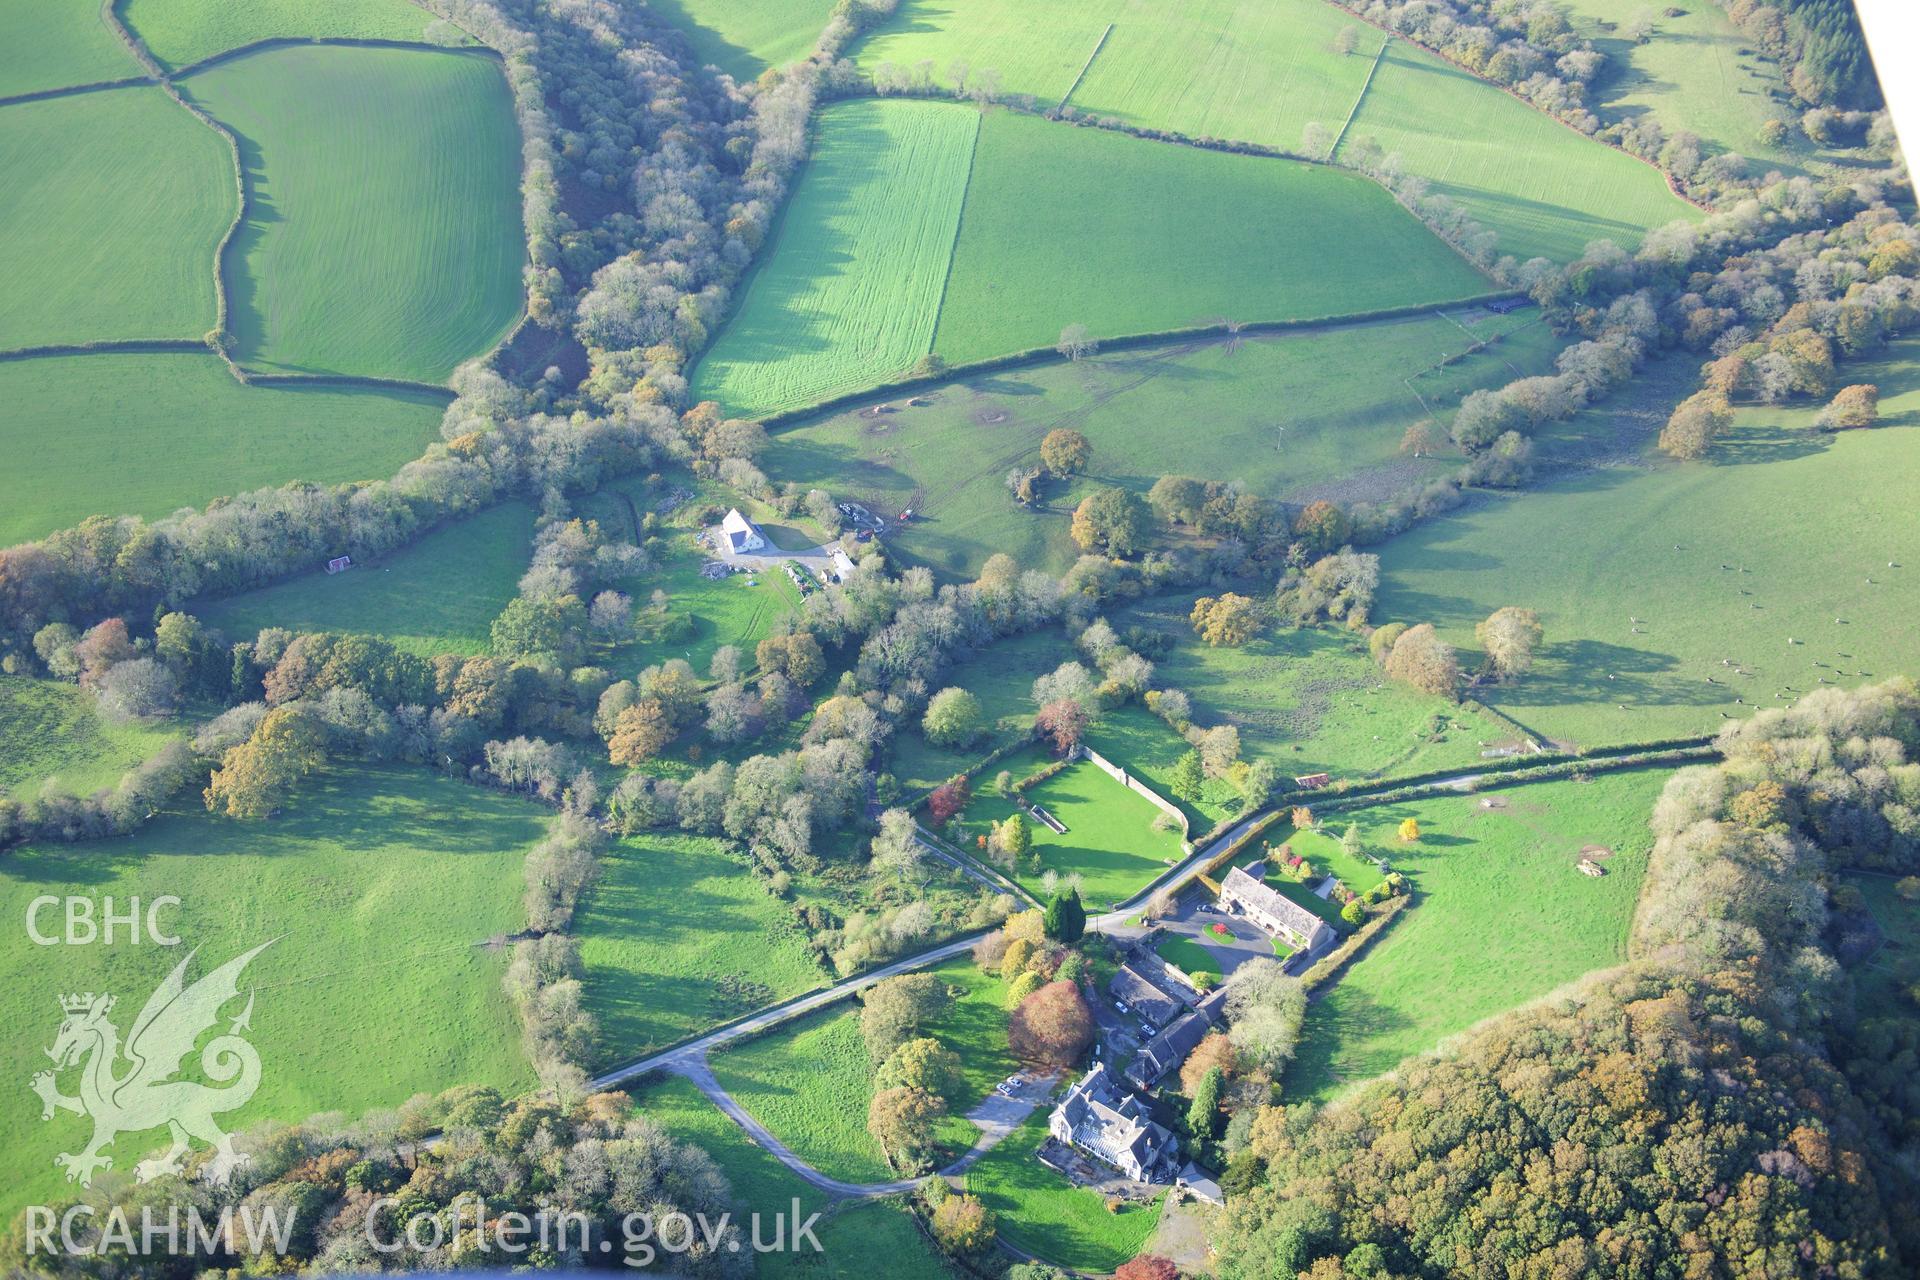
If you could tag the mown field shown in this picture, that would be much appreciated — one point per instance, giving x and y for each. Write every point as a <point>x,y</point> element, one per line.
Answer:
<point>1296,415</point>
<point>1773,538</point>
<point>49,732</point>
<point>1463,135</point>
<point>1698,73</point>
<point>677,937</point>
<point>1252,70</point>
<point>1110,842</point>
<point>846,292</point>
<point>1030,46</point>
<point>378,884</point>
<point>1502,917</point>
<point>745,39</point>
<point>1055,218</point>
<point>109,215</point>
<point>50,44</point>
<point>809,1083</point>
<point>1311,699</point>
<point>371,249</point>
<point>437,595</point>
<point>147,433</point>
<point>181,32</point>
<point>852,1234</point>
<point>1044,1213</point>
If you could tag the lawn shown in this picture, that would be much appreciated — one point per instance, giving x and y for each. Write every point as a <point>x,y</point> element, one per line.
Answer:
<point>1312,700</point>
<point>437,595</point>
<point>146,434</point>
<point>1189,957</point>
<point>1698,73</point>
<point>745,39</point>
<point>49,44</point>
<point>181,32</point>
<point>846,294</point>
<point>1297,415</point>
<point>49,732</point>
<point>852,1235</point>
<point>1042,1212</point>
<point>809,1082</point>
<point>1055,218</point>
<point>1322,849</point>
<point>1465,137</point>
<point>369,249</point>
<point>1772,539</point>
<point>1502,918</point>
<point>1110,842</point>
<point>678,937</point>
<point>378,885</point>
<point>1001,677</point>
<point>109,215</point>
<point>1149,747</point>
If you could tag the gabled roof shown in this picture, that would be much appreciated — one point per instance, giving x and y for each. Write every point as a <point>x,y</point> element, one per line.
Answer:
<point>1141,995</point>
<point>1113,1123</point>
<point>738,529</point>
<point>1167,1050</point>
<point>1239,884</point>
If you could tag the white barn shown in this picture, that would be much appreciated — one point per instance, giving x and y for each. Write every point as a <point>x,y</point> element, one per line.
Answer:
<point>741,533</point>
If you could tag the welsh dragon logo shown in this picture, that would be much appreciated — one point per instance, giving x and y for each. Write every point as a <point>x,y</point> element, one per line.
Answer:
<point>144,1094</point>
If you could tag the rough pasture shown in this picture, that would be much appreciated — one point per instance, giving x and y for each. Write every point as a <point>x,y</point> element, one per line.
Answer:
<point>49,732</point>
<point>181,32</point>
<point>1031,46</point>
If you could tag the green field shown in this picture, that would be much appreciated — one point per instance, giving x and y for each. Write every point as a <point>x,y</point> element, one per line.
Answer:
<point>146,434</point>
<point>1001,677</point>
<point>1463,135</point>
<point>1296,415</point>
<point>181,32</point>
<point>1032,46</point>
<point>50,44</point>
<point>1321,847</point>
<point>109,216</point>
<point>1110,841</point>
<point>1502,917</point>
<point>1801,519</point>
<point>1878,979</point>
<point>745,39</point>
<point>847,290</point>
<point>677,937</point>
<point>1312,700</point>
<point>1044,1213</point>
<point>49,732</point>
<point>852,1235</point>
<point>1055,218</point>
<point>378,885</point>
<point>369,249</point>
<point>1692,75</point>
<point>1253,70</point>
<point>438,595</point>
<point>809,1083</point>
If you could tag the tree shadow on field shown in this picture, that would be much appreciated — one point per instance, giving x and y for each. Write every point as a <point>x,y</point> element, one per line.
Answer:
<point>246,317</point>
<point>1769,443</point>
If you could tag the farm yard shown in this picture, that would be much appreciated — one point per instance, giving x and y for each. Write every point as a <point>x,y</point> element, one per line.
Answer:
<point>116,177</point>
<point>1501,916</point>
<point>1462,134</point>
<point>438,595</point>
<point>1300,415</point>
<point>1707,582</point>
<point>370,250</point>
<point>193,435</point>
<point>369,873</point>
<point>180,33</point>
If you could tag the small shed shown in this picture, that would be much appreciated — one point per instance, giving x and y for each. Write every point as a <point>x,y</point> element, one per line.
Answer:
<point>339,564</point>
<point>1312,781</point>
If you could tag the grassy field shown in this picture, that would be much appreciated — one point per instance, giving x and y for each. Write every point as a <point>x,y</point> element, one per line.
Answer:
<point>370,249</point>
<point>1032,46</point>
<point>438,595</point>
<point>49,732</point>
<point>145,434</point>
<point>1899,920</point>
<point>1666,531</point>
<point>49,44</point>
<point>1055,218</point>
<point>1001,677</point>
<point>678,937</point>
<point>1692,75</point>
<point>1042,1212</point>
<point>1254,70</point>
<point>109,216</point>
<point>180,32</point>
<point>745,39</point>
<point>846,294</point>
<point>1110,841</point>
<point>378,885</point>
<point>1312,700</point>
<point>808,1083</point>
<point>1463,134</point>
<point>1298,415</point>
<point>852,1234</point>
<point>1502,917</point>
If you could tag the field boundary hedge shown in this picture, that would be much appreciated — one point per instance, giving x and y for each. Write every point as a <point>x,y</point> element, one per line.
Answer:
<point>106,346</point>
<point>68,91</point>
<point>363,42</point>
<point>1328,967</point>
<point>1036,356</point>
<point>1379,56</point>
<point>1086,66</point>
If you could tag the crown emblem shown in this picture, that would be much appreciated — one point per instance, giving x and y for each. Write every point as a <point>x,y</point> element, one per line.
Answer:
<point>79,1003</point>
